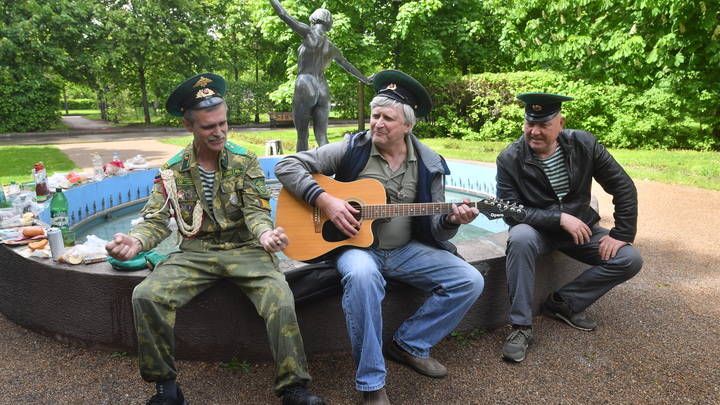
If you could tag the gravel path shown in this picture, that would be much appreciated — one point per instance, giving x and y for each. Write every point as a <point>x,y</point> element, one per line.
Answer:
<point>656,342</point>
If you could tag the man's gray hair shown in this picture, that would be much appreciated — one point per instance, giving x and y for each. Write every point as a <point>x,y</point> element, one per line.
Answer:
<point>189,116</point>
<point>408,112</point>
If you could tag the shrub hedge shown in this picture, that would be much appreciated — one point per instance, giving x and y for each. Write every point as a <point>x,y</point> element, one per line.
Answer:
<point>34,104</point>
<point>80,104</point>
<point>673,114</point>
<point>669,115</point>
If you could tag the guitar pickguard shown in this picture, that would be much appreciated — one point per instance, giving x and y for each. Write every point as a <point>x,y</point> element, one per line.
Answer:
<point>331,233</point>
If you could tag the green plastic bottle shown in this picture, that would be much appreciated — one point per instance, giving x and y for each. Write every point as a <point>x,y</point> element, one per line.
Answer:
<point>59,210</point>
<point>3,202</point>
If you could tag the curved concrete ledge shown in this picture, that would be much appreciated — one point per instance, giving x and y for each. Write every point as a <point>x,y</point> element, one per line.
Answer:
<point>89,305</point>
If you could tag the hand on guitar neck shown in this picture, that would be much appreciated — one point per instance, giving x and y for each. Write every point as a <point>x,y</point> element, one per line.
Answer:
<point>463,213</point>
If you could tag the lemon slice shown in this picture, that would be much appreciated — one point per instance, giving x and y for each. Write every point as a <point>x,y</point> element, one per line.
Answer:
<point>74,260</point>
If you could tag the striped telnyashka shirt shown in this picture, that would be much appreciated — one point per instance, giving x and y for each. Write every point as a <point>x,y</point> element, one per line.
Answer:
<point>554,167</point>
<point>207,179</point>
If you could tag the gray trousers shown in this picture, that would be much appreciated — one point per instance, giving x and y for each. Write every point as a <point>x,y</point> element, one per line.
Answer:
<point>526,243</point>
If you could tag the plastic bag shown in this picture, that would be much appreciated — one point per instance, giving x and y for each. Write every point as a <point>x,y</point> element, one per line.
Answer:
<point>93,250</point>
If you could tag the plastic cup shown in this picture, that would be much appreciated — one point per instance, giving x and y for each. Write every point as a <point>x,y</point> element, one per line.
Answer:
<point>68,238</point>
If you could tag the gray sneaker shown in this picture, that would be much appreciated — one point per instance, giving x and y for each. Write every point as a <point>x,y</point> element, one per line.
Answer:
<point>562,311</point>
<point>516,344</point>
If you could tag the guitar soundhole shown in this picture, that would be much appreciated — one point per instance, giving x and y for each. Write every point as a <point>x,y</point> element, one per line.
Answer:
<point>330,232</point>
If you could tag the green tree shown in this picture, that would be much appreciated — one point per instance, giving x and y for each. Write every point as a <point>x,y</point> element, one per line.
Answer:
<point>347,33</point>
<point>625,41</point>
<point>646,44</point>
<point>448,36</point>
<point>160,38</point>
<point>31,53</point>
<point>426,39</point>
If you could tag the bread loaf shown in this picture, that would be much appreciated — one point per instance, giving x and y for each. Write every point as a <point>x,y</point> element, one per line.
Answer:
<point>33,231</point>
<point>38,245</point>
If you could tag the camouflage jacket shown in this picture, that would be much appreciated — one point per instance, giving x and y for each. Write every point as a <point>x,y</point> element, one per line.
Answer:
<point>241,203</point>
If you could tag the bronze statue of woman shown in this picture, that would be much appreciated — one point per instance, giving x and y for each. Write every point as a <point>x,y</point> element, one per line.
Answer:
<point>311,99</point>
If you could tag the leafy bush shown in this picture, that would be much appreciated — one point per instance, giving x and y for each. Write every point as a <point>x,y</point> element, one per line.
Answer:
<point>484,107</point>
<point>33,104</point>
<point>80,104</point>
<point>119,104</point>
<point>247,98</point>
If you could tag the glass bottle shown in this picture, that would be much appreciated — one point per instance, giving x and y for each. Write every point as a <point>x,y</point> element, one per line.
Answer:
<point>41,182</point>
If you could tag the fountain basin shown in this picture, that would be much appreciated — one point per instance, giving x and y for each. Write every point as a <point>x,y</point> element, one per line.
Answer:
<point>90,305</point>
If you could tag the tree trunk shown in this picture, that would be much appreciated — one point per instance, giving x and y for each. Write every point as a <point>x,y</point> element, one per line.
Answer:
<point>143,90</point>
<point>67,111</point>
<point>102,103</point>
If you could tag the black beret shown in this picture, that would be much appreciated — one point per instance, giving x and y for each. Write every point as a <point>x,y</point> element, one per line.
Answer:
<point>541,107</point>
<point>403,88</point>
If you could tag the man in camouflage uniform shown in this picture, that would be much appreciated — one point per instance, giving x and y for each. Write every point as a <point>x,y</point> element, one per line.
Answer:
<point>216,193</point>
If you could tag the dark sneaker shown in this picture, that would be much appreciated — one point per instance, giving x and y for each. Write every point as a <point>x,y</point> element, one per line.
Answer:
<point>377,397</point>
<point>516,344</point>
<point>297,395</point>
<point>161,399</point>
<point>428,367</point>
<point>562,311</point>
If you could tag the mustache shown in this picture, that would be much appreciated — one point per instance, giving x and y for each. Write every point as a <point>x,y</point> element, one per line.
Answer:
<point>215,138</point>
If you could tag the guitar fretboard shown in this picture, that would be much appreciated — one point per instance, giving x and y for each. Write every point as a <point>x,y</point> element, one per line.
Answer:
<point>407,210</point>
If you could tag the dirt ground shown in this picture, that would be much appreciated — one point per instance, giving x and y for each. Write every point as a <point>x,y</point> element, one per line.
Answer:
<point>656,341</point>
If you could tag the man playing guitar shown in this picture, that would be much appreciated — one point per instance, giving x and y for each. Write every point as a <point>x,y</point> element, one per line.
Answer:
<point>411,249</point>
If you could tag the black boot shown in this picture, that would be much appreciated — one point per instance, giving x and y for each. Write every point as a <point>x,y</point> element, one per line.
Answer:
<point>161,398</point>
<point>297,395</point>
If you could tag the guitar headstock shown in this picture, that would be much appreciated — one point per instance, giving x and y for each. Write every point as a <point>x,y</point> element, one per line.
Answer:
<point>494,208</point>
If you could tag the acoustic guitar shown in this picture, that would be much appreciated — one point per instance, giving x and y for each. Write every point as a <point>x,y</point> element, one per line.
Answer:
<point>313,235</point>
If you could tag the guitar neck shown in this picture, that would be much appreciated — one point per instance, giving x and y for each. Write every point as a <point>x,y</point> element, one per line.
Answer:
<point>407,210</point>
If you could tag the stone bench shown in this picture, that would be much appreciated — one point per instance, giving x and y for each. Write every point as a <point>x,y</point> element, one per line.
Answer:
<point>90,305</point>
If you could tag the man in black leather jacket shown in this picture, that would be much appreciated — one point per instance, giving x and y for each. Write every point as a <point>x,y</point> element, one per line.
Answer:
<point>550,171</point>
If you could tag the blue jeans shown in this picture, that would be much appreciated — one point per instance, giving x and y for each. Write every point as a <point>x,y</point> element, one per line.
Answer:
<point>453,283</point>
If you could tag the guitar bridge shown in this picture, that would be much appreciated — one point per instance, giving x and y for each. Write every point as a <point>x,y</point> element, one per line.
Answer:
<point>317,216</point>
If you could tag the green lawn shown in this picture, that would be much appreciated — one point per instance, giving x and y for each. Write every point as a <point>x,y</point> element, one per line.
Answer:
<point>689,168</point>
<point>16,162</point>
<point>686,167</point>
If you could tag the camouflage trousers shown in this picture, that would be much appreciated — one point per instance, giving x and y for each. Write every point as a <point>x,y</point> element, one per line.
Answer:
<point>183,275</point>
